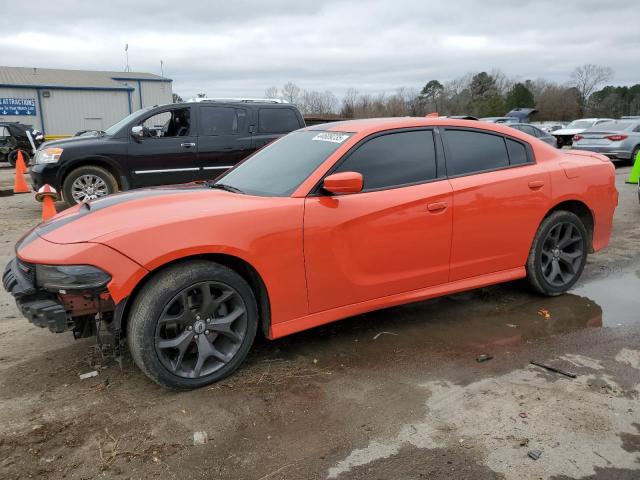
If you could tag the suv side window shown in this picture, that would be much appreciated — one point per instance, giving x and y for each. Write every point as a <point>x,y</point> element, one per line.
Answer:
<point>277,120</point>
<point>470,152</point>
<point>221,120</point>
<point>394,159</point>
<point>171,123</point>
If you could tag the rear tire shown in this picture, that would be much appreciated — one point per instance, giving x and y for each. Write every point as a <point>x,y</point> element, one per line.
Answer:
<point>192,324</point>
<point>88,183</point>
<point>558,253</point>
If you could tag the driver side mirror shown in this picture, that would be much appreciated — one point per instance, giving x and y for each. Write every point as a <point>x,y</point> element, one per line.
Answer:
<point>343,183</point>
<point>138,132</point>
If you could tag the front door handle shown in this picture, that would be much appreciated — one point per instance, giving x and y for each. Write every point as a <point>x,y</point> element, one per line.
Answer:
<point>437,206</point>
<point>187,145</point>
<point>535,184</point>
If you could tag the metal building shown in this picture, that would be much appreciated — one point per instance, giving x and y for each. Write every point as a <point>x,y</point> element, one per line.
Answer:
<point>63,102</point>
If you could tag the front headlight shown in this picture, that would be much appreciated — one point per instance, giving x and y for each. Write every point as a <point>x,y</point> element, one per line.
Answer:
<point>70,277</point>
<point>48,155</point>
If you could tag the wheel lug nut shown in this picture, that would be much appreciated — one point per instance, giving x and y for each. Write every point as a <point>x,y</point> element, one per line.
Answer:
<point>206,332</point>
<point>208,320</point>
<point>195,336</point>
<point>197,317</point>
<point>189,327</point>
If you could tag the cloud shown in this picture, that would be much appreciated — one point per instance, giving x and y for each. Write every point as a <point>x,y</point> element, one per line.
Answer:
<point>241,47</point>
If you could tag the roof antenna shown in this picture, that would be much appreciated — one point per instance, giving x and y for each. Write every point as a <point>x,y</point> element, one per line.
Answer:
<point>126,52</point>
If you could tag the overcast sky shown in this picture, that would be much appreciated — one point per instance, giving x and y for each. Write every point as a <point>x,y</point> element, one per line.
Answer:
<point>237,47</point>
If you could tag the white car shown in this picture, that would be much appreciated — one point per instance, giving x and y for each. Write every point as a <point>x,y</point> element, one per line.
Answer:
<point>565,135</point>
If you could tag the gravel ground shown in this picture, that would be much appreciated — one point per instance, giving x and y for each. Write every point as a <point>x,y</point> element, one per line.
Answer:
<point>394,394</point>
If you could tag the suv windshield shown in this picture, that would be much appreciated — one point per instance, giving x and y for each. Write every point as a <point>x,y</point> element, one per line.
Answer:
<point>279,168</point>
<point>117,126</point>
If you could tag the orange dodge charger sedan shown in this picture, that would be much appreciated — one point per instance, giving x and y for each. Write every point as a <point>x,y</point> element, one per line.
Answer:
<point>327,222</point>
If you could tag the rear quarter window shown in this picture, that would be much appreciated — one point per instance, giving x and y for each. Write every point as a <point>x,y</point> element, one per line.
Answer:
<point>277,120</point>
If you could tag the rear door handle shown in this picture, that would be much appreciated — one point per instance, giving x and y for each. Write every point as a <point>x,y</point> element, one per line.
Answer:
<point>437,206</point>
<point>534,184</point>
<point>187,145</point>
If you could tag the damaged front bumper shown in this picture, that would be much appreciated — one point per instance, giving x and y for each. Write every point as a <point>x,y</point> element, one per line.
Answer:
<point>41,308</point>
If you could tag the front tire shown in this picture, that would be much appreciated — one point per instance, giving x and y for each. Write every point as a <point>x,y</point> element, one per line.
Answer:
<point>558,253</point>
<point>12,157</point>
<point>88,183</point>
<point>192,324</point>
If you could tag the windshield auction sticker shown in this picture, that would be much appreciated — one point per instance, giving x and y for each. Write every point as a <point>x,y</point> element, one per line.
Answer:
<point>331,137</point>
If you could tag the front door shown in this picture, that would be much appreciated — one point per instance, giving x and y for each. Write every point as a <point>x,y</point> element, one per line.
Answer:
<point>167,154</point>
<point>393,237</point>
<point>223,138</point>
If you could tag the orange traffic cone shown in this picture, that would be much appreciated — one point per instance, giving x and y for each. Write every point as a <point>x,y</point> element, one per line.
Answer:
<point>20,161</point>
<point>47,195</point>
<point>20,184</point>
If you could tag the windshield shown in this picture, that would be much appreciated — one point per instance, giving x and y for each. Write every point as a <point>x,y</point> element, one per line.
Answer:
<point>279,168</point>
<point>117,126</point>
<point>580,124</point>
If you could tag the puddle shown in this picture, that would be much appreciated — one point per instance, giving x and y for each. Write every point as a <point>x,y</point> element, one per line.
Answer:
<point>618,295</point>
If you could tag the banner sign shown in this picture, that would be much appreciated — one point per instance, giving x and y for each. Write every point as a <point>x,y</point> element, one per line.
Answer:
<point>18,106</point>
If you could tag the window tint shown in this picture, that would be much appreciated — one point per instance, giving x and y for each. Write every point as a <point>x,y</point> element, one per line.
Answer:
<point>173,123</point>
<point>222,120</point>
<point>517,152</point>
<point>469,152</point>
<point>394,159</point>
<point>277,120</point>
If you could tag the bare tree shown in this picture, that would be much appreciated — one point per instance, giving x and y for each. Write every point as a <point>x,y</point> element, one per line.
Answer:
<point>586,78</point>
<point>271,92</point>
<point>202,95</point>
<point>291,92</point>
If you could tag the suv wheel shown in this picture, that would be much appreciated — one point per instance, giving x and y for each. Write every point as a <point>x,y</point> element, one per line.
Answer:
<point>192,324</point>
<point>12,157</point>
<point>558,253</point>
<point>88,183</point>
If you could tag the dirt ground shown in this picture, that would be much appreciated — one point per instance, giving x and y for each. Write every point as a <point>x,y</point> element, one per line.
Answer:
<point>395,394</point>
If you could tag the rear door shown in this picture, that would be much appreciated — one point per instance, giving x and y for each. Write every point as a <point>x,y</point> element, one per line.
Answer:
<point>168,152</point>
<point>273,122</point>
<point>223,138</point>
<point>500,195</point>
<point>393,237</point>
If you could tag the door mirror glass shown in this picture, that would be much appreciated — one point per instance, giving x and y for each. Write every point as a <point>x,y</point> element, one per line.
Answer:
<point>137,131</point>
<point>343,183</point>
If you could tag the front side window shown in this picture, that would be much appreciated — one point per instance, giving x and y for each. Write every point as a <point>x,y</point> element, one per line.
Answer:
<point>394,159</point>
<point>280,167</point>
<point>470,152</point>
<point>172,123</point>
<point>221,120</point>
<point>277,120</point>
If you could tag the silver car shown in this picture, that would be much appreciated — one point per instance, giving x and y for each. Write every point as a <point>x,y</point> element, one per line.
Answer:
<point>618,139</point>
<point>535,132</point>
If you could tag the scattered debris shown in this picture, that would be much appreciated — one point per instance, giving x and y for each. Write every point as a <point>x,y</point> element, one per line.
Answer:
<point>375,337</point>
<point>524,442</point>
<point>511,325</point>
<point>553,369</point>
<point>543,312</point>
<point>315,360</point>
<point>523,415</point>
<point>200,438</point>
<point>84,376</point>
<point>535,454</point>
<point>483,358</point>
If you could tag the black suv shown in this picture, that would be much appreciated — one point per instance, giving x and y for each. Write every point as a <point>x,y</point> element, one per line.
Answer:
<point>162,145</point>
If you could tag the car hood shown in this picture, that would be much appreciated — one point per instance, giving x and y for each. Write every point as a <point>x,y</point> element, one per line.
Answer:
<point>568,131</point>
<point>122,213</point>
<point>65,142</point>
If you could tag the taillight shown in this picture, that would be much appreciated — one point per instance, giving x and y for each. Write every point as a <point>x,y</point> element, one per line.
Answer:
<point>616,138</point>
<point>577,137</point>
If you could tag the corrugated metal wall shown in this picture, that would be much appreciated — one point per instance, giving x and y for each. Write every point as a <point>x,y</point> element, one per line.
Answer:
<point>21,93</point>
<point>68,111</point>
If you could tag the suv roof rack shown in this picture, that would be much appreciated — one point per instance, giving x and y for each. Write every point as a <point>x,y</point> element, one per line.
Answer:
<point>241,100</point>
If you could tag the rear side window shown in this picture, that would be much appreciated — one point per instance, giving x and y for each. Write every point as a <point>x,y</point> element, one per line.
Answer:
<point>222,120</point>
<point>277,120</point>
<point>470,152</point>
<point>394,159</point>
<point>517,152</point>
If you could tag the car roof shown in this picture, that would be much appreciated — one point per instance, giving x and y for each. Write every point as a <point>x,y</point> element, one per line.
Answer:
<point>372,125</point>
